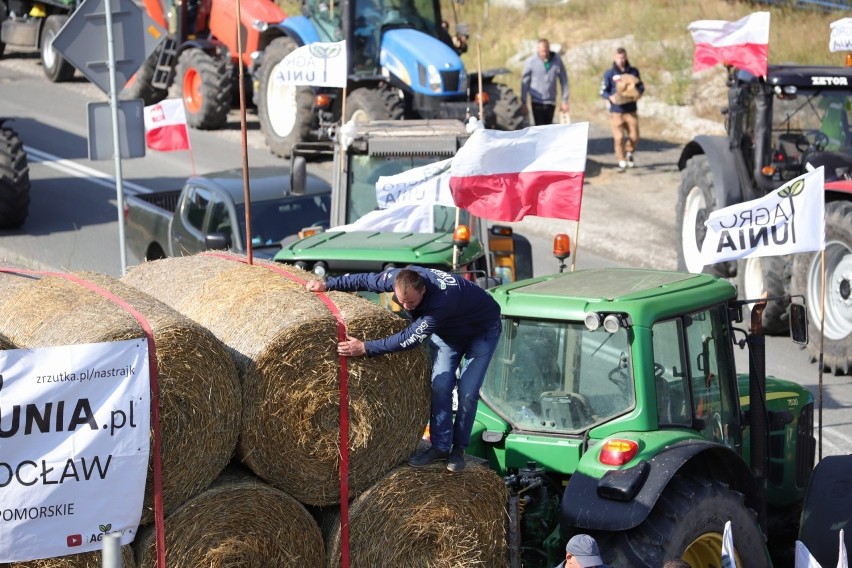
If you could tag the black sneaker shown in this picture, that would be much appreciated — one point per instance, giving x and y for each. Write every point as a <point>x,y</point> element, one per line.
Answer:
<point>431,455</point>
<point>456,460</point>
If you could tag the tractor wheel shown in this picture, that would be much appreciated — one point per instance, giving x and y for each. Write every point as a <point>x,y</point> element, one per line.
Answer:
<point>55,66</point>
<point>364,105</point>
<point>688,522</point>
<point>696,200</point>
<point>14,180</point>
<point>205,84</point>
<point>506,105</point>
<point>4,13</point>
<point>139,86</point>
<point>826,509</point>
<point>772,275</point>
<point>285,111</point>
<point>807,280</point>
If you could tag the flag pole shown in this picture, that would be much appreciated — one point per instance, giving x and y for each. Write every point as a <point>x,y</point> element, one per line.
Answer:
<point>576,241</point>
<point>479,77</point>
<point>243,135</point>
<point>191,158</point>
<point>455,248</point>
<point>821,346</point>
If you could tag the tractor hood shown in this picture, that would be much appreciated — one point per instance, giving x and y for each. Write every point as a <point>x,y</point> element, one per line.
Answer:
<point>424,63</point>
<point>372,250</point>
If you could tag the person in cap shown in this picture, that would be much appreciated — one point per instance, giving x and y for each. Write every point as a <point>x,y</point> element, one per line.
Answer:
<point>582,552</point>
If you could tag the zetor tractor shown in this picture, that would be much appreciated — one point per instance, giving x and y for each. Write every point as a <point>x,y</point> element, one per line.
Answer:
<point>402,64</point>
<point>14,179</point>
<point>33,24</point>
<point>795,119</point>
<point>613,407</point>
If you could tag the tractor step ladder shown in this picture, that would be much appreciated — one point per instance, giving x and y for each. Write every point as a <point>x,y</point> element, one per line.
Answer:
<point>165,64</point>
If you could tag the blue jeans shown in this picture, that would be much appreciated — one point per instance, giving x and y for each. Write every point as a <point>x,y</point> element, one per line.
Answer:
<point>445,360</point>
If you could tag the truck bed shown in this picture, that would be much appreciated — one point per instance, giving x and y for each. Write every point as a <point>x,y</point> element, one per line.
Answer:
<point>167,200</point>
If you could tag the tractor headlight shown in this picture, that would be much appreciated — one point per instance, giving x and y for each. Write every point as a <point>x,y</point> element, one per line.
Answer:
<point>321,269</point>
<point>434,78</point>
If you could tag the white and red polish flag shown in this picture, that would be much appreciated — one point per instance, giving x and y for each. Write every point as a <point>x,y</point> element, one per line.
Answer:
<point>165,126</point>
<point>507,175</point>
<point>743,44</point>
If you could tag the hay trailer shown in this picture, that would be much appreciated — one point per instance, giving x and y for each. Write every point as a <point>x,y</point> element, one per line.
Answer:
<point>14,179</point>
<point>386,148</point>
<point>612,406</point>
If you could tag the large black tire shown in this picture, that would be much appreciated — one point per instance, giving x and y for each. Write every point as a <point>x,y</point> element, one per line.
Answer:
<point>826,509</point>
<point>696,200</point>
<point>285,112</point>
<point>364,105</point>
<point>770,274</point>
<point>204,82</point>
<point>506,105</point>
<point>55,66</point>
<point>140,87</point>
<point>688,522</point>
<point>807,280</point>
<point>14,180</point>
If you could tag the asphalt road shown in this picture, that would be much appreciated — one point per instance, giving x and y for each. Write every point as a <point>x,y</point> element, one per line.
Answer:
<point>627,219</point>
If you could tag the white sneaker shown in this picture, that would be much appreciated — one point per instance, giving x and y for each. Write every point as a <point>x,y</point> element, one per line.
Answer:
<point>622,165</point>
<point>630,163</point>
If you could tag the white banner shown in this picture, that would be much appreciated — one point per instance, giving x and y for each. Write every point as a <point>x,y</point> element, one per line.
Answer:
<point>841,35</point>
<point>426,185</point>
<point>842,559</point>
<point>804,558</point>
<point>316,64</point>
<point>74,432</point>
<point>399,219</point>
<point>790,219</point>
<point>728,558</point>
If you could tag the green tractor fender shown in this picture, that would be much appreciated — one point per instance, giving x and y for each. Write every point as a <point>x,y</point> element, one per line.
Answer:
<point>621,499</point>
<point>722,162</point>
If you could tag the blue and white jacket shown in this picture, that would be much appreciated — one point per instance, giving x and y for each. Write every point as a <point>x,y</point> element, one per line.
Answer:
<point>608,87</point>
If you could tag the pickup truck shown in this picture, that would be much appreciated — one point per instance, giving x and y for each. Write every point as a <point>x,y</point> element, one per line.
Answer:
<point>209,213</point>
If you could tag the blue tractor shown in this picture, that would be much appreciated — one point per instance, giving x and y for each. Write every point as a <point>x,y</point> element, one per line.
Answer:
<point>403,63</point>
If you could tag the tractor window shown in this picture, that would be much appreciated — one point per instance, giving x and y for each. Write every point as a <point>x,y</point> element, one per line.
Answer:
<point>417,14</point>
<point>711,377</point>
<point>673,405</point>
<point>559,377</point>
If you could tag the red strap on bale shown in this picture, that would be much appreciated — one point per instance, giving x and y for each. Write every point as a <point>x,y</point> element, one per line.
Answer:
<point>344,402</point>
<point>159,518</point>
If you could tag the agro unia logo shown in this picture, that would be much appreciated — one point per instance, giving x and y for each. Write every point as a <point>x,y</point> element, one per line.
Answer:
<point>324,52</point>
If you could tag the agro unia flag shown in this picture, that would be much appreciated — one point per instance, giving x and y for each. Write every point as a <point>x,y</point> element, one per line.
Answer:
<point>165,126</point>
<point>841,35</point>
<point>728,558</point>
<point>315,64</point>
<point>743,43</point>
<point>791,219</point>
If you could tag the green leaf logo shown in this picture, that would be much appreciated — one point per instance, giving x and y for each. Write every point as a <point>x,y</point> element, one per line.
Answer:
<point>105,528</point>
<point>793,189</point>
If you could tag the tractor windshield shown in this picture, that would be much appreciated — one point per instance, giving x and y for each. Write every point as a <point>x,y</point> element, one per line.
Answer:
<point>559,376</point>
<point>365,172</point>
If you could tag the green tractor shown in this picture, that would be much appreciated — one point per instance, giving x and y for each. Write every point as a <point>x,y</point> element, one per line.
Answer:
<point>613,407</point>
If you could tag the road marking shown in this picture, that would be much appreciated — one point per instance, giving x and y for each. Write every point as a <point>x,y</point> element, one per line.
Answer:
<point>80,171</point>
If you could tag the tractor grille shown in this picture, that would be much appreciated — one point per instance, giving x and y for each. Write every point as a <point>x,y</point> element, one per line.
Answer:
<point>450,80</point>
<point>805,445</point>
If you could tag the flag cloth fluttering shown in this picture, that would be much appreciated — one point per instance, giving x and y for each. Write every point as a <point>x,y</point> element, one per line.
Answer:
<point>165,126</point>
<point>743,43</point>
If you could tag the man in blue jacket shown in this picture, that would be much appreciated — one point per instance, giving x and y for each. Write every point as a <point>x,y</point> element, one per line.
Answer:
<point>459,320</point>
<point>622,86</point>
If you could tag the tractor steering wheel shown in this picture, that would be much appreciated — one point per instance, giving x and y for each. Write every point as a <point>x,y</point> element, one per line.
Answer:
<point>812,140</point>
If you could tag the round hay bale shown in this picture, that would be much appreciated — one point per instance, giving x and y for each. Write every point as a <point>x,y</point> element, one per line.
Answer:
<point>5,343</point>
<point>284,339</point>
<point>198,382</point>
<point>425,517</point>
<point>238,521</point>
<point>84,560</point>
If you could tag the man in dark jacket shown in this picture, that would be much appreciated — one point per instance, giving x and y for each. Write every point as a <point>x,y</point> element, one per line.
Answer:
<point>538,83</point>
<point>622,87</point>
<point>459,320</point>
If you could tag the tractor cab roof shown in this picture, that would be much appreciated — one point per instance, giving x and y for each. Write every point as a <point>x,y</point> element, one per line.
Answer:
<point>804,77</point>
<point>410,137</point>
<point>645,295</point>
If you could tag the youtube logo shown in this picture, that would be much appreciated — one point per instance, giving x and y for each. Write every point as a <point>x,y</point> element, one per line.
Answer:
<point>74,540</point>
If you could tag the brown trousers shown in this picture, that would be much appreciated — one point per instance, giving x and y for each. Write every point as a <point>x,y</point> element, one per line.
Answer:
<point>620,122</point>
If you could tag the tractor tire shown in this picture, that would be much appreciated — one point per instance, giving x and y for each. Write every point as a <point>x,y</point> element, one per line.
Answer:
<point>364,105</point>
<point>807,280</point>
<point>771,274</point>
<point>4,13</point>
<point>285,112</point>
<point>204,83</point>
<point>696,200</point>
<point>507,106</point>
<point>139,86</point>
<point>55,66</point>
<point>688,522</point>
<point>826,509</point>
<point>14,180</point>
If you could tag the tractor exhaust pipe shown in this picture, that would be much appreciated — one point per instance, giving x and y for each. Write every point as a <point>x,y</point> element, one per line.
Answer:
<point>759,416</point>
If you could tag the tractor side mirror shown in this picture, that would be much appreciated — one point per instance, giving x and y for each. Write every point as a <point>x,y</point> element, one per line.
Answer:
<point>298,174</point>
<point>798,324</point>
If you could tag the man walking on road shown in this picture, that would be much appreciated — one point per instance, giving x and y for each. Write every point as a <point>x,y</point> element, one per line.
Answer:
<point>538,82</point>
<point>459,320</point>
<point>622,87</point>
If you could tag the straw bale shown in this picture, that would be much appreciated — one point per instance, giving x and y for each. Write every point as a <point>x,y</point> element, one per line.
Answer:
<point>83,560</point>
<point>426,517</point>
<point>198,381</point>
<point>238,521</point>
<point>284,341</point>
